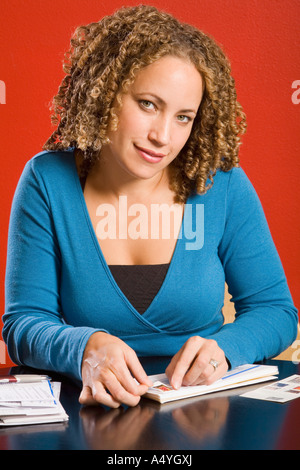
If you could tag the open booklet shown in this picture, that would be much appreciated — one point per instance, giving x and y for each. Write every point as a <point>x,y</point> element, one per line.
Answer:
<point>244,375</point>
<point>30,402</point>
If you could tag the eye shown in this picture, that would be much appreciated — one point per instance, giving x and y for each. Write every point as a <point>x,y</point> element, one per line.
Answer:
<point>184,119</point>
<point>146,104</point>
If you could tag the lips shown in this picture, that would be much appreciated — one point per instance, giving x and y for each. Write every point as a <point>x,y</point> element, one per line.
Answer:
<point>150,155</point>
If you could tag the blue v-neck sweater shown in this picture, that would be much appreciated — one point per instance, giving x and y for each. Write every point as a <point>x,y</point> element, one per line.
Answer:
<point>59,288</point>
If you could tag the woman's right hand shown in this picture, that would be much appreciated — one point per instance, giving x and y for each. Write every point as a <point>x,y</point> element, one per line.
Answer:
<point>109,367</point>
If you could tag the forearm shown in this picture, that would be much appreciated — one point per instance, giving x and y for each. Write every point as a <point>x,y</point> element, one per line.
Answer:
<point>258,334</point>
<point>43,343</point>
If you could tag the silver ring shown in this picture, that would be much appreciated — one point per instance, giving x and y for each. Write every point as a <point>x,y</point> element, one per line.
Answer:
<point>214,363</point>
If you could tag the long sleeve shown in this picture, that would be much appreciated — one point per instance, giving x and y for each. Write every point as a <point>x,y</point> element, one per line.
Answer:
<point>266,319</point>
<point>34,329</point>
<point>59,289</point>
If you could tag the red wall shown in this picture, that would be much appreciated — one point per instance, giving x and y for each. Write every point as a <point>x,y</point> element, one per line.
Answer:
<point>261,37</point>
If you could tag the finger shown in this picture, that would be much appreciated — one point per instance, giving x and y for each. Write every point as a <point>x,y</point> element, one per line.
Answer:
<point>128,382</point>
<point>201,368</point>
<point>170,369</point>
<point>118,393</point>
<point>98,395</point>
<point>137,370</point>
<point>183,361</point>
<point>89,399</point>
<point>86,397</point>
<point>210,374</point>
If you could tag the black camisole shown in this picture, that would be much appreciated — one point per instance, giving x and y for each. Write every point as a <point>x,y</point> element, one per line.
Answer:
<point>139,283</point>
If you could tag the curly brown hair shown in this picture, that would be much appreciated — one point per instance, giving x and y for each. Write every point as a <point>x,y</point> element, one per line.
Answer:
<point>102,63</point>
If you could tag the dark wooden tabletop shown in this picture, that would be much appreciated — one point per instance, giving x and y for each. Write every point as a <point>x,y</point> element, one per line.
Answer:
<point>219,421</point>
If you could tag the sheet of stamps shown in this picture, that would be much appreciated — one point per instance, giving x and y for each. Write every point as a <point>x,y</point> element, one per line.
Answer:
<point>280,391</point>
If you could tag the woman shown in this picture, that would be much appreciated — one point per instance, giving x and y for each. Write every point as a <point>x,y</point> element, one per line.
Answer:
<point>147,138</point>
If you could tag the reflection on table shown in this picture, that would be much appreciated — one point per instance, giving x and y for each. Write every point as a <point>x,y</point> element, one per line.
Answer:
<point>221,420</point>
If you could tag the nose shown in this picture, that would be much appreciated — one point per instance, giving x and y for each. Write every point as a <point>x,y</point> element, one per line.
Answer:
<point>160,131</point>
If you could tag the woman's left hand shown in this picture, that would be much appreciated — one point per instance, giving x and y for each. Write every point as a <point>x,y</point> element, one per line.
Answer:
<point>200,361</point>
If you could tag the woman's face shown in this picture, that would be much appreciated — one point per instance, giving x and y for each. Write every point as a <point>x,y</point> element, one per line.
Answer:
<point>156,118</point>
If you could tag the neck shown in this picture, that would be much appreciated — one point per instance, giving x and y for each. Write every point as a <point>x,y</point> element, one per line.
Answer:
<point>117,183</point>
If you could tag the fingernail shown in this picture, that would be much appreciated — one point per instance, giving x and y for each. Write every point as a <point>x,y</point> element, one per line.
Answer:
<point>175,384</point>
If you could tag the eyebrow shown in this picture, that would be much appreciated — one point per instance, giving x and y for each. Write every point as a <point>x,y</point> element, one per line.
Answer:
<point>162,102</point>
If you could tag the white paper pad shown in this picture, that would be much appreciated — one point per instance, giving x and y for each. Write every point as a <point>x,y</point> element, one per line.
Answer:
<point>241,376</point>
